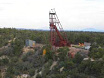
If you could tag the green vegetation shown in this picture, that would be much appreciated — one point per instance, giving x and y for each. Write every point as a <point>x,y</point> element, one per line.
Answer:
<point>17,63</point>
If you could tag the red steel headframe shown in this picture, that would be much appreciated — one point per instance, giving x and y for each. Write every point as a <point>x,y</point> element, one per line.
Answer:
<point>56,37</point>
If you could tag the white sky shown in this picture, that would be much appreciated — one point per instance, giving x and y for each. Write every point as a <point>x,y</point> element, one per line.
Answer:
<point>73,14</point>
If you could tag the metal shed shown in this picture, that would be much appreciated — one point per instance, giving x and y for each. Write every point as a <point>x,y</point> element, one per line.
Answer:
<point>30,43</point>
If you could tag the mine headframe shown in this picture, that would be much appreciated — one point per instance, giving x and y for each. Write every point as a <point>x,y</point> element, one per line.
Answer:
<point>58,37</point>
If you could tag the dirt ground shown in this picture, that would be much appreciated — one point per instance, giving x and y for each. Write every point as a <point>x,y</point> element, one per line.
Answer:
<point>75,50</point>
<point>28,49</point>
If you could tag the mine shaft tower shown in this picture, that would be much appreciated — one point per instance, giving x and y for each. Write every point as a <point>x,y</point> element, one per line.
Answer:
<point>58,38</point>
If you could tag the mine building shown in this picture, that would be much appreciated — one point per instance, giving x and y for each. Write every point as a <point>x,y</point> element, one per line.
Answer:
<point>30,43</point>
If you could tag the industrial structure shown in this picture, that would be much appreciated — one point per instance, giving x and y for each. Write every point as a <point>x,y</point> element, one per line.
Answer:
<point>87,45</point>
<point>30,43</point>
<point>58,36</point>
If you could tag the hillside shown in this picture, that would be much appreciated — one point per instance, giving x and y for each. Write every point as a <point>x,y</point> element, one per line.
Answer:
<point>14,62</point>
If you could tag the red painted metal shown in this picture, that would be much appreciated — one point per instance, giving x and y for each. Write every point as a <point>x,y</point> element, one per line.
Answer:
<point>56,36</point>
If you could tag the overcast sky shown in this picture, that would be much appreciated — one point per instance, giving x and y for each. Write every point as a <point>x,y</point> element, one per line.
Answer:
<point>73,14</point>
